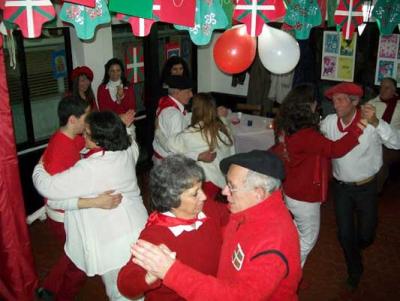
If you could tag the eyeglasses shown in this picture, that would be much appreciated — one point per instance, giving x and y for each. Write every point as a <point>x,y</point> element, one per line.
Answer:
<point>232,190</point>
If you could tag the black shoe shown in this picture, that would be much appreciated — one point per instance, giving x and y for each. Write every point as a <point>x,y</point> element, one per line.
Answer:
<point>353,280</point>
<point>44,294</point>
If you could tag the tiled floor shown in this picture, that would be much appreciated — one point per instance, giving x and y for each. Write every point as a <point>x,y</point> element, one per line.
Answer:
<point>325,269</point>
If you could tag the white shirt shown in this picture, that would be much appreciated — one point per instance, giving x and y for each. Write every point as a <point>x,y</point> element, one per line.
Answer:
<point>380,110</point>
<point>170,122</point>
<point>98,240</point>
<point>191,140</point>
<point>365,159</point>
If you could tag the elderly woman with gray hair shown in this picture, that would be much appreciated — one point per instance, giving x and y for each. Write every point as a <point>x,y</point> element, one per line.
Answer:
<point>183,221</point>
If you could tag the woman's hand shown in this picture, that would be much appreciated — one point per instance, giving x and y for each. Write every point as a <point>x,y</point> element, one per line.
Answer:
<point>207,156</point>
<point>120,93</point>
<point>128,117</point>
<point>108,200</point>
<point>156,260</point>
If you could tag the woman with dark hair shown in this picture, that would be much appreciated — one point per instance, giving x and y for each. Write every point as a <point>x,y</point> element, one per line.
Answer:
<point>306,153</point>
<point>115,93</point>
<point>99,234</point>
<point>206,132</point>
<point>82,78</point>
<point>175,65</point>
<point>183,221</point>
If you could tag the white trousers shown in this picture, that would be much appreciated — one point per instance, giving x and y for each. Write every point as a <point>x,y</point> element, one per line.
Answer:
<point>307,219</point>
<point>110,282</point>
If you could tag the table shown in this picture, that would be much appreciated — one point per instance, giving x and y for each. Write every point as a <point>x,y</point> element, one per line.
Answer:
<point>258,134</point>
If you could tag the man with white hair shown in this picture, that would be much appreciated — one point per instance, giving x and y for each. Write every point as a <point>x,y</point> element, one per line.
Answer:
<point>260,255</point>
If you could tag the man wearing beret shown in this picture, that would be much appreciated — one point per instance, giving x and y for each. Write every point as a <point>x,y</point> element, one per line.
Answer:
<point>171,118</point>
<point>355,189</point>
<point>260,255</point>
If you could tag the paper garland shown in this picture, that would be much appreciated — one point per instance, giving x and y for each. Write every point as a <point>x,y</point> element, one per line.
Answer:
<point>29,15</point>
<point>85,19</point>
<point>348,16</point>
<point>209,16</point>
<point>387,14</point>
<point>256,13</point>
<point>303,15</point>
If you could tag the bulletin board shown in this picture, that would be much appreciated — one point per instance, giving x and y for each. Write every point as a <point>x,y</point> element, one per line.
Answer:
<point>388,58</point>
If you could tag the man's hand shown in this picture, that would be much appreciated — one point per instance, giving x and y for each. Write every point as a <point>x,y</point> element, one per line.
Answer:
<point>368,112</point>
<point>207,156</point>
<point>362,124</point>
<point>128,117</point>
<point>222,111</point>
<point>156,260</point>
<point>107,200</point>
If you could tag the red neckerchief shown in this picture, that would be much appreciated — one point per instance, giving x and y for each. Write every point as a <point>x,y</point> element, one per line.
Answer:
<point>93,151</point>
<point>159,219</point>
<point>356,119</point>
<point>390,106</point>
<point>166,102</point>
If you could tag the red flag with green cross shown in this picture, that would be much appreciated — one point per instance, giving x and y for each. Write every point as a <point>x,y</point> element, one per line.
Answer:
<point>134,62</point>
<point>29,15</point>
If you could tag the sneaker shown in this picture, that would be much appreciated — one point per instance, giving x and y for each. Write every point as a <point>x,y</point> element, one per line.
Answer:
<point>44,294</point>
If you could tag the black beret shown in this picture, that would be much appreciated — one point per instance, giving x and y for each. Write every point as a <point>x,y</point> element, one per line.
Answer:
<point>263,162</point>
<point>178,82</point>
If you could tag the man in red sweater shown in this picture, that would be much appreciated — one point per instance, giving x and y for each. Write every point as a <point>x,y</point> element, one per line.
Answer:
<point>260,256</point>
<point>63,151</point>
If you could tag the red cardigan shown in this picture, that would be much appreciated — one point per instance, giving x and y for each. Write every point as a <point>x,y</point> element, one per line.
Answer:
<point>199,249</point>
<point>309,150</point>
<point>264,240</point>
<point>105,101</point>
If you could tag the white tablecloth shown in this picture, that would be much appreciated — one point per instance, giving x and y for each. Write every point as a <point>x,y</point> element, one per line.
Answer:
<point>248,137</point>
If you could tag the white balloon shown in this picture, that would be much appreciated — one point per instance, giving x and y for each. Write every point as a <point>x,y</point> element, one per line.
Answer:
<point>279,52</point>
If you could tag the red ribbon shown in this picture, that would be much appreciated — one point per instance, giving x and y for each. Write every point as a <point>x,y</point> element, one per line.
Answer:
<point>159,219</point>
<point>353,124</point>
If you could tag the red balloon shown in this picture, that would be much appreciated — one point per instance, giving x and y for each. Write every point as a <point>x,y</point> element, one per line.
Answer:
<point>234,50</point>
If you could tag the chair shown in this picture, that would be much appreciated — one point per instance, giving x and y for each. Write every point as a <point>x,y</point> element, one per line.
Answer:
<point>253,109</point>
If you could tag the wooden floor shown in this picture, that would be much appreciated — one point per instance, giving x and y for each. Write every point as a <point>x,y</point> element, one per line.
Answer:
<point>324,271</point>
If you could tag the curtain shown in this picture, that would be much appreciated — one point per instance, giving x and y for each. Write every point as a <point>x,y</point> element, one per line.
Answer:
<point>18,278</point>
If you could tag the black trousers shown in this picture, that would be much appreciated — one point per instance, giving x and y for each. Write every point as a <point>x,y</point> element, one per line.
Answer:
<point>356,210</point>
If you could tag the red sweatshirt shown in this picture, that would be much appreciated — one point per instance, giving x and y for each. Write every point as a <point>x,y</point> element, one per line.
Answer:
<point>105,101</point>
<point>199,249</point>
<point>260,259</point>
<point>62,153</point>
<point>309,150</point>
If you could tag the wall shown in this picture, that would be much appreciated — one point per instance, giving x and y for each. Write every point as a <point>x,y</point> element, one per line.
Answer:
<point>210,78</point>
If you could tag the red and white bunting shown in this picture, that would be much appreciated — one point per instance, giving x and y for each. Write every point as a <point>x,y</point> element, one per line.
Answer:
<point>254,7</point>
<point>350,13</point>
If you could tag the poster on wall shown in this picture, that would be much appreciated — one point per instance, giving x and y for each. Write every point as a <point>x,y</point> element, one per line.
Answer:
<point>172,49</point>
<point>388,58</point>
<point>338,57</point>
<point>58,64</point>
<point>134,64</point>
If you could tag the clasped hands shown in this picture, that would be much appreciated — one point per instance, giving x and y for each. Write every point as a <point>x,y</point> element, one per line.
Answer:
<point>156,260</point>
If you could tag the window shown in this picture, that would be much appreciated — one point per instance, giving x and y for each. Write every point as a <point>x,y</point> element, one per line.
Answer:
<point>37,83</point>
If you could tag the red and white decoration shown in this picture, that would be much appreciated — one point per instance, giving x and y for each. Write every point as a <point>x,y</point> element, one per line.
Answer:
<point>88,3</point>
<point>140,26</point>
<point>256,13</point>
<point>135,64</point>
<point>29,15</point>
<point>348,16</point>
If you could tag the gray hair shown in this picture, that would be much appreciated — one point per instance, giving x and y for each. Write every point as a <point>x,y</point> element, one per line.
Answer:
<point>257,180</point>
<point>354,97</point>
<point>172,91</point>
<point>170,178</point>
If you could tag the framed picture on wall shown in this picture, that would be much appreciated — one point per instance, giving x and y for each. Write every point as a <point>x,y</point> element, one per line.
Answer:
<point>388,58</point>
<point>338,57</point>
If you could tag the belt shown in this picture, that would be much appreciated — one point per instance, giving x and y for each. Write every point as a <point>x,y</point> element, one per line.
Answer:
<point>358,183</point>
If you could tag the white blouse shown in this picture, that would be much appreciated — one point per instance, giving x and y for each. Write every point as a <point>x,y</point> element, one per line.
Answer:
<point>98,240</point>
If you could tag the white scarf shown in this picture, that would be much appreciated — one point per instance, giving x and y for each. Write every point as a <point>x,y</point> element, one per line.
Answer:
<point>113,88</point>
